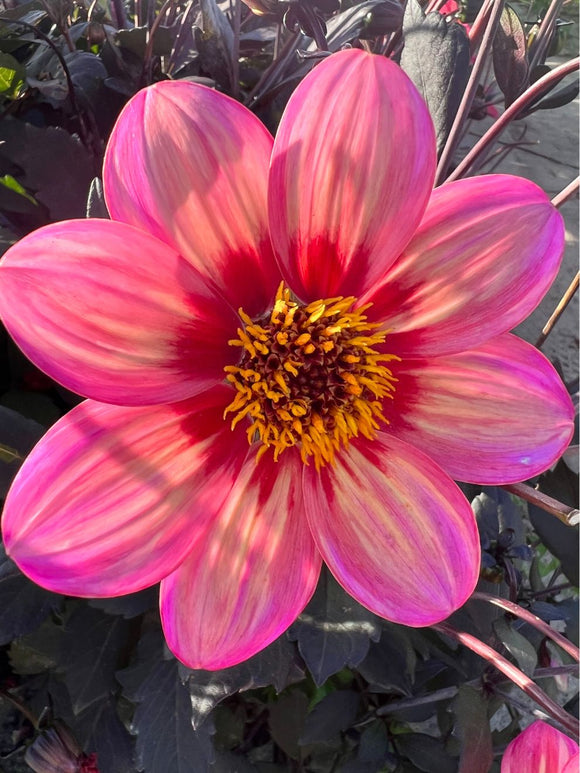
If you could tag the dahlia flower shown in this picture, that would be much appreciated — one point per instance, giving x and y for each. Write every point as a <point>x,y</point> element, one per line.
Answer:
<point>540,748</point>
<point>290,349</point>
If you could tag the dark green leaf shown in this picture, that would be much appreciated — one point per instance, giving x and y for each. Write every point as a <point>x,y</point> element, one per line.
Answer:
<point>276,665</point>
<point>18,435</point>
<point>38,651</point>
<point>12,76</point>
<point>166,739</point>
<point>228,762</point>
<point>24,604</point>
<point>7,239</point>
<point>15,199</point>
<point>87,73</point>
<point>32,405</point>
<point>135,40</point>
<point>215,43</point>
<point>374,743</point>
<point>517,645</point>
<point>386,668</point>
<point>436,58</point>
<point>287,720</point>
<point>561,540</point>
<point>128,606</point>
<point>426,753</point>
<point>56,168</point>
<point>352,22</point>
<point>89,654</point>
<point>471,726</point>
<point>559,98</point>
<point>496,512</point>
<point>100,730</point>
<point>570,608</point>
<point>334,713</point>
<point>510,60</point>
<point>334,631</point>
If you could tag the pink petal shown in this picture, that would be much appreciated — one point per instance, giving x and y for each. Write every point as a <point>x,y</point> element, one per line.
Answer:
<point>190,166</point>
<point>483,257</point>
<point>495,414</point>
<point>114,314</point>
<point>112,499</point>
<point>540,747</point>
<point>573,764</point>
<point>250,576</point>
<point>352,169</point>
<point>395,531</point>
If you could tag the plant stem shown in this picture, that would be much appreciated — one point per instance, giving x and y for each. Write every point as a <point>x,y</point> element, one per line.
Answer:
<point>479,24</point>
<point>119,13</point>
<point>21,707</point>
<point>469,93</point>
<point>545,34</point>
<point>569,191</point>
<point>557,313</point>
<point>532,619</point>
<point>550,591</point>
<point>513,673</point>
<point>445,693</point>
<point>535,91</point>
<point>568,515</point>
<point>237,20</point>
<point>147,57</point>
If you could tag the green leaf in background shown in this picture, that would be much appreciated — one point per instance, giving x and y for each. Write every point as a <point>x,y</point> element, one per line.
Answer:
<point>517,645</point>
<point>277,665</point>
<point>561,540</point>
<point>9,182</point>
<point>334,631</point>
<point>12,76</point>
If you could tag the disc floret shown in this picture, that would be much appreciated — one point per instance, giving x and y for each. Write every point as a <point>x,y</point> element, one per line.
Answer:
<point>310,376</point>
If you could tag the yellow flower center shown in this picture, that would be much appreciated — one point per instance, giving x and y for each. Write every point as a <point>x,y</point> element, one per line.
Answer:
<point>310,376</point>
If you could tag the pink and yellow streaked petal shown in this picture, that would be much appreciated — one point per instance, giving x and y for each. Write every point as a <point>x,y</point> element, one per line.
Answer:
<point>395,531</point>
<point>487,250</point>
<point>540,748</point>
<point>112,499</point>
<point>346,193</point>
<point>190,166</point>
<point>113,313</point>
<point>495,414</point>
<point>250,576</point>
<point>573,764</point>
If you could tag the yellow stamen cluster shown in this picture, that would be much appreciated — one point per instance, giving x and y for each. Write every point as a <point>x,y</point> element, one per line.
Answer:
<point>309,376</point>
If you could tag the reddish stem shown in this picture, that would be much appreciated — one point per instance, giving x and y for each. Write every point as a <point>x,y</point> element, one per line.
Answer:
<point>568,192</point>
<point>557,313</point>
<point>536,90</point>
<point>512,672</point>
<point>469,93</point>
<point>568,515</point>
<point>479,24</point>
<point>532,619</point>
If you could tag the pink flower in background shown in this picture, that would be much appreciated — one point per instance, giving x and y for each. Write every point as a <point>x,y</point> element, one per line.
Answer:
<point>290,348</point>
<point>540,748</point>
<point>452,8</point>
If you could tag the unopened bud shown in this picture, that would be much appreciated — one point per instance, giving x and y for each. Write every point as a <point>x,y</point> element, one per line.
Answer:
<point>56,749</point>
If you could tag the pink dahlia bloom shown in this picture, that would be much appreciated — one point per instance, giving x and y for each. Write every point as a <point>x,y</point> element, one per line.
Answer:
<point>541,748</point>
<point>290,347</point>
